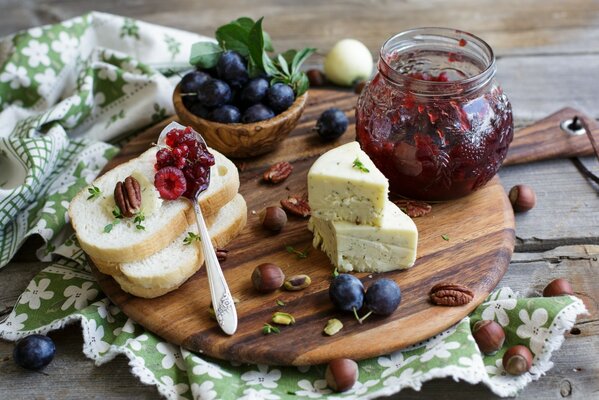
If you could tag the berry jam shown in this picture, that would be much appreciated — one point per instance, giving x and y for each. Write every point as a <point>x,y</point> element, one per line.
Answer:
<point>433,119</point>
<point>183,166</point>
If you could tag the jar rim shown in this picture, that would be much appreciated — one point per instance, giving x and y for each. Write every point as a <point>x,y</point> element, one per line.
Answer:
<point>450,36</point>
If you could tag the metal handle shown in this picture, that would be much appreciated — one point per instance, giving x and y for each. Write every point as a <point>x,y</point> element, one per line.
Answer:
<point>222,301</point>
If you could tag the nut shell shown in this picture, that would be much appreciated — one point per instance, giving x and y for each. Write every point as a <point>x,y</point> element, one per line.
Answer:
<point>523,198</point>
<point>517,360</point>
<point>489,336</point>
<point>341,374</point>
<point>557,287</point>
<point>267,278</point>
<point>273,218</point>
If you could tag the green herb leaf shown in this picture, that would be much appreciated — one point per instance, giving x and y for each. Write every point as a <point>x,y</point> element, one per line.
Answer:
<point>205,54</point>
<point>445,237</point>
<point>190,238</point>
<point>300,57</point>
<point>302,85</point>
<point>280,303</point>
<point>116,211</point>
<point>282,63</point>
<point>335,273</point>
<point>268,329</point>
<point>94,192</point>
<point>256,44</point>
<point>107,228</point>
<point>234,36</point>
<point>138,220</point>
<point>358,165</point>
<point>299,254</point>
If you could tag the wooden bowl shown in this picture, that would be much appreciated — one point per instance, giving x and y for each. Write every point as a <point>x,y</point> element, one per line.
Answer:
<point>242,140</point>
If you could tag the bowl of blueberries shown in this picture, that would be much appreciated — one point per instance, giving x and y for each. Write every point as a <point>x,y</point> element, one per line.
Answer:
<point>237,115</point>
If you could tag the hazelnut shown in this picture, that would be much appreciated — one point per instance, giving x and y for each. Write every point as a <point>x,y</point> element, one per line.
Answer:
<point>267,277</point>
<point>341,374</point>
<point>489,336</point>
<point>273,218</point>
<point>359,87</point>
<point>523,198</point>
<point>517,360</point>
<point>557,287</point>
<point>316,77</point>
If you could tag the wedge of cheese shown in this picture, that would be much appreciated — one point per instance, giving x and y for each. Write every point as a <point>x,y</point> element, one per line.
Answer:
<point>365,248</point>
<point>345,185</point>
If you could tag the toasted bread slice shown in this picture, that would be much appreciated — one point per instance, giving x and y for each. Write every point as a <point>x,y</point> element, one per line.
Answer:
<point>167,269</point>
<point>125,243</point>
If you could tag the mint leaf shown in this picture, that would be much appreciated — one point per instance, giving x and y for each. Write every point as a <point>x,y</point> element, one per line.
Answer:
<point>233,37</point>
<point>300,57</point>
<point>205,54</point>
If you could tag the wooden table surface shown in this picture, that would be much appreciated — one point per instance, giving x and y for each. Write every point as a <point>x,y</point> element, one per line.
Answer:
<point>548,58</point>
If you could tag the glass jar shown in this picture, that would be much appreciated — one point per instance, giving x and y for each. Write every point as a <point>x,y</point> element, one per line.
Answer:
<point>433,119</point>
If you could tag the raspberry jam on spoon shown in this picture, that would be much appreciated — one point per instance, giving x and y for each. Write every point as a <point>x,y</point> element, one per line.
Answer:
<point>183,169</point>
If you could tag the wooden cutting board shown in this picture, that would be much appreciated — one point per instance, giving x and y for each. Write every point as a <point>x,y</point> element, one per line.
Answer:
<point>480,229</point>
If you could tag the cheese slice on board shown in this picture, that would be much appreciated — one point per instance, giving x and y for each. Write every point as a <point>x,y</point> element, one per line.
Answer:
<point>364,248</point>
<point>338,190</point>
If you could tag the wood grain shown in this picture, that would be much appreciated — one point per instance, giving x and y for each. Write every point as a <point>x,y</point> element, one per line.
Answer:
<point>481,232</point>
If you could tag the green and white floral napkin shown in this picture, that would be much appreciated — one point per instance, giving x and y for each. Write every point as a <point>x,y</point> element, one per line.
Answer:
<point>100,77</point>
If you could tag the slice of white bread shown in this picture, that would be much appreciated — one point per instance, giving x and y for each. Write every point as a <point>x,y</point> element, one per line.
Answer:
<point>124,243</point>
<point>167,269</point>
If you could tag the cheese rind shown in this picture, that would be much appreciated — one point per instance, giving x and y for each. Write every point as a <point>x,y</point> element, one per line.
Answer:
<point>364,248</point>
<point>338,191</point>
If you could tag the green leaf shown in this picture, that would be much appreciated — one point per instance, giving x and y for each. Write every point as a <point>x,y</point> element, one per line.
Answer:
<point>445,237</point>
<point>358,165</point>
<point>108,228</point>
<point>256,44</point>
<point>267,42</point>
<point>302,86</point>
<point>268,66</point>
<point>94,192</point>
<point>283,64</point>
<point>281,303</point>
<point>233,37</point>
<point>288,55</point>
<point>300,57</point>
<point>191,237</point>
<point>299,254</point>
<point>205,54</point>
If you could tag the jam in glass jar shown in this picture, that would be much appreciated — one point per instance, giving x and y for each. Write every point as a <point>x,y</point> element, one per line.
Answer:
<point>433,119</point>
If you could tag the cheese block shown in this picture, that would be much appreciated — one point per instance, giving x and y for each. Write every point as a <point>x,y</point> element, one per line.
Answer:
<point>364,248</point>
<point>345,185</point>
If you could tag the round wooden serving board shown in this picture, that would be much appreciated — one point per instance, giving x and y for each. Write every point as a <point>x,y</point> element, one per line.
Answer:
<point>480,229</point>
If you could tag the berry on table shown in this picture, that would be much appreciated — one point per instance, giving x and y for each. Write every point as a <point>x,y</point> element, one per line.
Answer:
<point>280,97</point>
<point>347,293</point>
<point>257,112</point>
<point>170,183</point>
<point>382,298</point>
<point>34,352</point>
<point>214,93</point>
<point>226,114</point>
<point>231,67</point>
<point>331,124</point>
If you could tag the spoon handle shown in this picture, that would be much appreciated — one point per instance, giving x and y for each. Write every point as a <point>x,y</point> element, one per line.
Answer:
<point>222,301</point>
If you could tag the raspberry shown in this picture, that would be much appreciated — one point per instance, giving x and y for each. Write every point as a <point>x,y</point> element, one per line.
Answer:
<point>170,183</point>
<point>172,136</point>
<point>164,158</point>
<point>181,150</point>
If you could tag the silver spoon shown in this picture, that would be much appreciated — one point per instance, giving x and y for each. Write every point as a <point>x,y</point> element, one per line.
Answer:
<point>224,307</point>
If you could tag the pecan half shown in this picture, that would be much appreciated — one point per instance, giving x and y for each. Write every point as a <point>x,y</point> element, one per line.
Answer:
<point>413,208</point>
<point>127,196</point>
<point>278,172</point>
<point>221,254</point>
<point>451,294</point>
<point>296,205</point>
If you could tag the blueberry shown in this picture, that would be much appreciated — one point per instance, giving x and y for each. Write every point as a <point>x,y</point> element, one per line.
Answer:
<point>254,91</point>
<point>226,114</point>
<point>232,68</point>
<point>280,97</point>
<point>199,110</point>
<point>331,124</point>
<point>34,352</point>
<point>347,292</point>
<point>192,81</point>
<point>257,112</point>
<point>214,93</point>
<point>383,297</point>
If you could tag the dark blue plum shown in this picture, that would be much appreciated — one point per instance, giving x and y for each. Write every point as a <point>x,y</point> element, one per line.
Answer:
<point>255,91</point>
<point>383,297</point>
<point>199,110</point>
<point>347,292</point>
<point>191,81</point>
<point>280,97</point>
<point>232,68</point>
<point>34,352</point>
<point>226,114</point>
<point>214,93</point>
<point>257,112</point>
<point>331,124</point>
